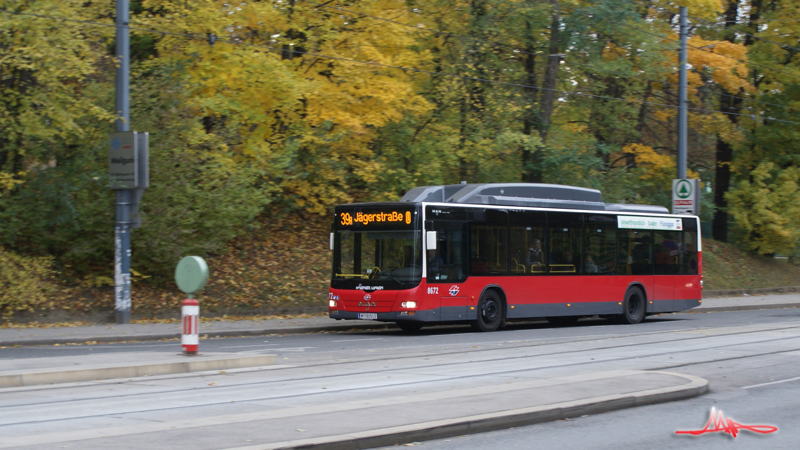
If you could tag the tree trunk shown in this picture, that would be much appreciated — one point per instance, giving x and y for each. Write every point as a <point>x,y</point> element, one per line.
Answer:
<point>724,155</point>
<point>531,160</point>
<point>630,158</point>
<point>551,74</point>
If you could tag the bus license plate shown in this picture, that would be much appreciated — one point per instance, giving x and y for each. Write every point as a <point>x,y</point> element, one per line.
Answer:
<point>368,316</point>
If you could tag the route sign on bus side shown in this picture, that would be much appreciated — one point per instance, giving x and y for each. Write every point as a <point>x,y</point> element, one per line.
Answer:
<point>686,196</point>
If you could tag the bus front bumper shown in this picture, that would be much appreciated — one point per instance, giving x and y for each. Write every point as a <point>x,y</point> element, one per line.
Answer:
<point>428,316</point>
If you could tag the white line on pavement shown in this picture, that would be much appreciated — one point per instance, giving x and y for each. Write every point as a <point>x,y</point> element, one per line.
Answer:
<point>772,382</point>
<point>254,345</point>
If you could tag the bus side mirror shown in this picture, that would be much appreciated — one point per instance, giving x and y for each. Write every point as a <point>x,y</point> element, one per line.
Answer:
<point>331,241</point>
<point>430,238</point>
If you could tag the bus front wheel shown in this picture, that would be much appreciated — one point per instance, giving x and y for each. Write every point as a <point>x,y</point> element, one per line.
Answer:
<point>490,312</point>
<point>633,308</point>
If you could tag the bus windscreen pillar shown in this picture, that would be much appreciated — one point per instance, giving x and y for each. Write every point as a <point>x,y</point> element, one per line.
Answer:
<point>129,176</point>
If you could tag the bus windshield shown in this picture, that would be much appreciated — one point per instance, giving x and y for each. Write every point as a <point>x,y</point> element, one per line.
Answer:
<point>389,259</point>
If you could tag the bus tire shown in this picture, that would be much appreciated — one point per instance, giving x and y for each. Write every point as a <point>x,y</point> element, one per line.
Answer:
<point>409,327</point>
<point>633,308</point>
<point>490,312</point>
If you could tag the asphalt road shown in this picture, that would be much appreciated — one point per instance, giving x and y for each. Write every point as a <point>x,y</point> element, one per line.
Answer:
<point>762,390</point>
<point>306,348</point>
<point>737,351</point>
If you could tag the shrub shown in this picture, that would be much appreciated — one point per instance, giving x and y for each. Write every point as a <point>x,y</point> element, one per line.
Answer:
<point>24,283</point>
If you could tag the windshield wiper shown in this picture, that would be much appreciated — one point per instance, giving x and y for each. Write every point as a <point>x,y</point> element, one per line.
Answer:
<point>383,272</point>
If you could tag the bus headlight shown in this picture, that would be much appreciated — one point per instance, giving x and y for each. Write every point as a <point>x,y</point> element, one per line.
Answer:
<point>408,305</point>
<point>332,303</point>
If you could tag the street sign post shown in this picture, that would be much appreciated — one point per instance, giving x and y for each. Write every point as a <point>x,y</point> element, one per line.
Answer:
<point>191,275</point>
<point>129,176</point>
<point>686,196</point>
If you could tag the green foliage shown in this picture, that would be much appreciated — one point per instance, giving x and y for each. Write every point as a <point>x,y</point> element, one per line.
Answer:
<point>199,197</point>
<point>262,118</point>
<point>25,283</point>
<point>43,69</point>
<point>197,201</point>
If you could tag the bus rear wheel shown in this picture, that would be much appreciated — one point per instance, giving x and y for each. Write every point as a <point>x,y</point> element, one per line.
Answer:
<point>409,327</point>
<point>633,308</point>
<point>490,312</point>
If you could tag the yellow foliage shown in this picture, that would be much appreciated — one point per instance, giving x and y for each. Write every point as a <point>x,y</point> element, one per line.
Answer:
<point>704,9</point>
<point>718,124</point>
<point>765,206</point>
<point>96,281</point>
<point>717,55</point>
<point>24,283</point>
<point>656,167</point>
<point>665,115</point>
<point>308,123</point>
<point>8,182</point>
<point>613,52</point>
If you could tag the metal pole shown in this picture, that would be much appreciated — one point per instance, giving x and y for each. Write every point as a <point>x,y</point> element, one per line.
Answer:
<point>682,101</point>
<point>122,236</point>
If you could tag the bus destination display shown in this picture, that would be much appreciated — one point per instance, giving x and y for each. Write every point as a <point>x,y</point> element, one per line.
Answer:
<point>373,218</point>
<point>649,223</point>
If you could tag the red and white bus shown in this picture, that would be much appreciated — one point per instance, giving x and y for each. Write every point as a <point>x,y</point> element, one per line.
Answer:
<point>485,254</point>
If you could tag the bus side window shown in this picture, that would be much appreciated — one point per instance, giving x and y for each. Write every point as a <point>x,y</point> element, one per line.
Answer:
<point>642,253</point>
<point>624,252</point>
<point>599,251</point>
<point>564,243</point>
<point>667,252</point>
<point>527,244</point>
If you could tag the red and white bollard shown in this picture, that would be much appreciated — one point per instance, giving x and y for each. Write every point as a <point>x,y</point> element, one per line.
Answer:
<point>190,310</point>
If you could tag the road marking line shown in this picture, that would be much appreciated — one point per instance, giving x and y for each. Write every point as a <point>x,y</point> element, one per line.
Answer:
<point>358,340</point>
<point>243,346</point>
<point>772,382</point>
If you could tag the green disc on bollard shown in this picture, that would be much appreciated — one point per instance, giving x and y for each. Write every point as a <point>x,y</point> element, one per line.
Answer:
<point>191,274</point>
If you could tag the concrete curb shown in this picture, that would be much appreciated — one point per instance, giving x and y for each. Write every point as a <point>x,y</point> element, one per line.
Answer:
<point>494,421</point>
<point>721,293</point>
<point>203,335</point>
<point>141,370</point>
<point>741,308</point>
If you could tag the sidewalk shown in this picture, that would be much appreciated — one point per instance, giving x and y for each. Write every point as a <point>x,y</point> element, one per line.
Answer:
<point>72,369</point>
<point>390,420</point>
<point>157,332</point>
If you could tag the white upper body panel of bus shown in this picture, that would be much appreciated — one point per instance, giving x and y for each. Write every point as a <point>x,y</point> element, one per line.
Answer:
<point>584,211</point>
